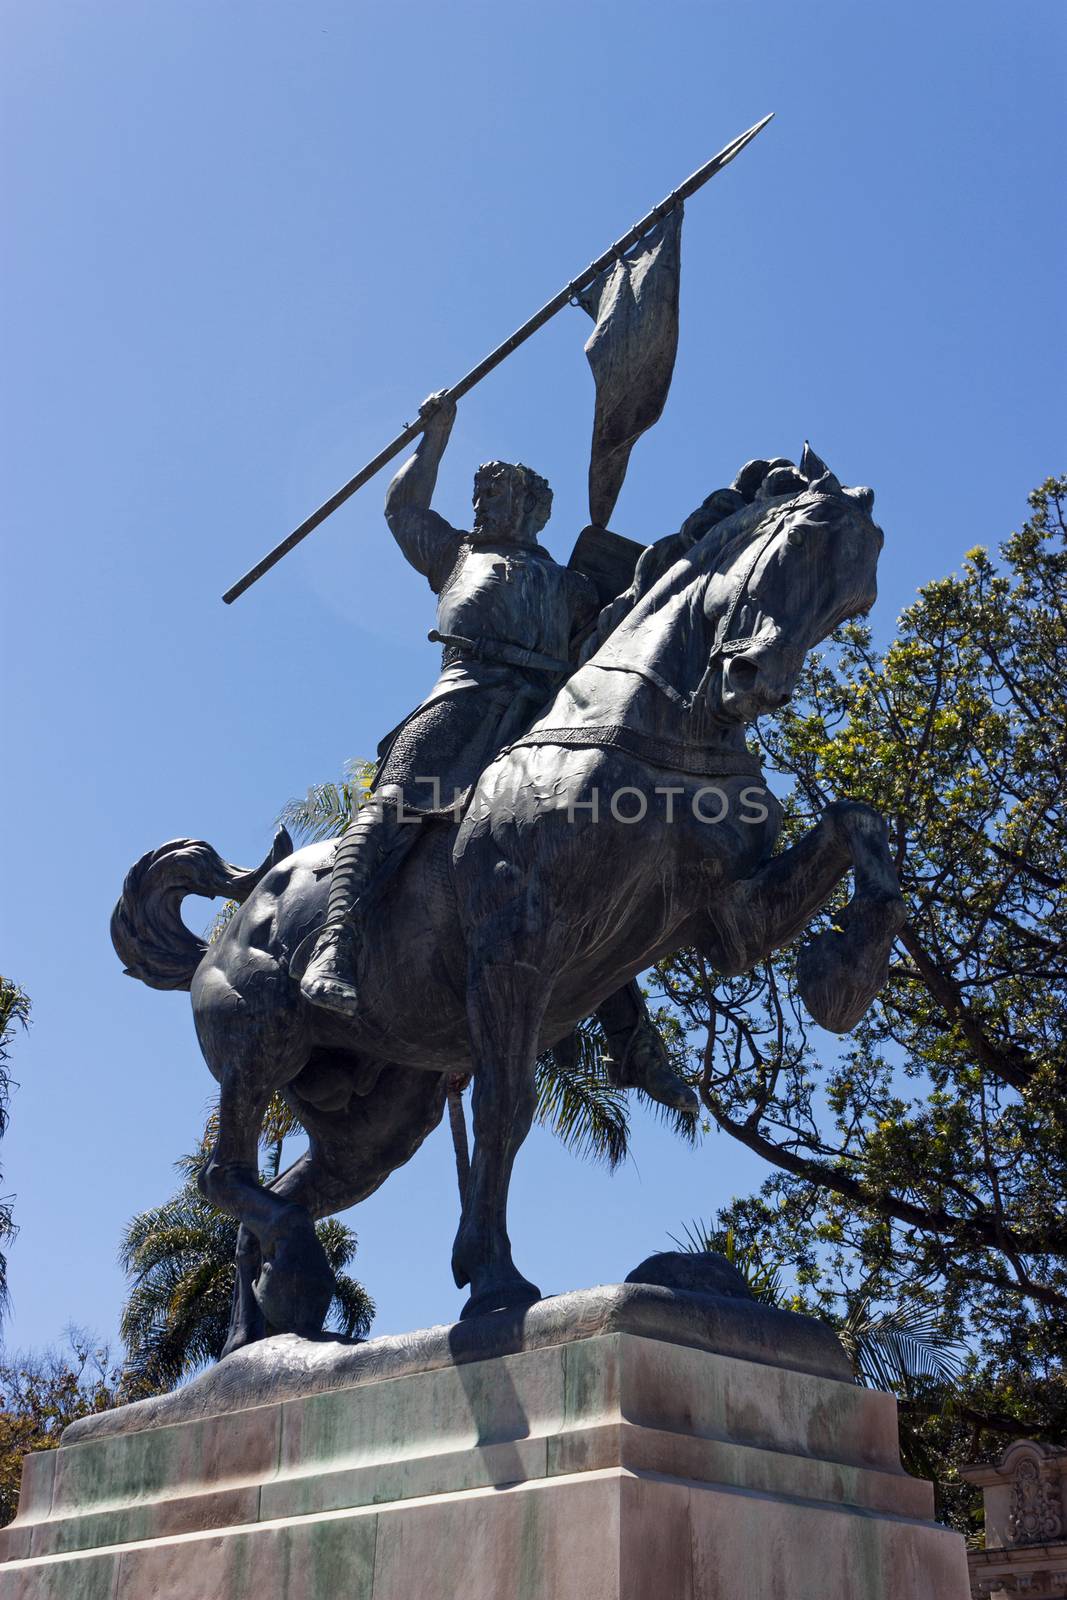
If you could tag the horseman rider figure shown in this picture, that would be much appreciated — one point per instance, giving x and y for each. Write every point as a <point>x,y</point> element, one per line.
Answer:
<point>510,619</point>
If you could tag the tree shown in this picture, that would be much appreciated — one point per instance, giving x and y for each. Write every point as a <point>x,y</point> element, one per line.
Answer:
<point>14,1014</point>
<point>924,1159</point>
<point>180,1256</point>
<point>40,1394</point>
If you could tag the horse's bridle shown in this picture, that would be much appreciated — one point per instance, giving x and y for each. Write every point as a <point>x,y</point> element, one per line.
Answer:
<point>724,645</point>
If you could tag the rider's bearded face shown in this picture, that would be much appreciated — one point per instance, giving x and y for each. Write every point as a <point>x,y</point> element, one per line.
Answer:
<point>499,502</point>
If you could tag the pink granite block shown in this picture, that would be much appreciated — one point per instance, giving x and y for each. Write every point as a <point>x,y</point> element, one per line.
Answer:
<point>553,1540</point>
<point>610,1466</point>
<point>38,1482</point>
<point>15,1542</point>
<point>329,1559</point>
<point>479,1403</point>
<point>151,1519</point>
<point>732,1465</point>
<point>782,1550</point>
<point>671,1386</point>
<point>80,1578</point>
<point>655,1551</point>
<point>448,1472</point>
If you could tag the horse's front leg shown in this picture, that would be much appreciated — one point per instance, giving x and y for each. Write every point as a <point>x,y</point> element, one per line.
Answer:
<point>842,970</point>
<point>506,1002</point>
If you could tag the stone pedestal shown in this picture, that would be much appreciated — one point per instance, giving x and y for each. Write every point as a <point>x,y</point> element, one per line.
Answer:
<point>629,1443</point>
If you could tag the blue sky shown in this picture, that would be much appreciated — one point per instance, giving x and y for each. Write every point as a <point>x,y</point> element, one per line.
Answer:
<point>243,242</point>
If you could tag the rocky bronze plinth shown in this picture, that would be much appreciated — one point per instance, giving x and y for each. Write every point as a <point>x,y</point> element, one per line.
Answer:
<point>630,1441</point>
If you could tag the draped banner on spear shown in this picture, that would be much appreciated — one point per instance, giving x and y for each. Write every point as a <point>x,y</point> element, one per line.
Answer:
<point>631,351</point>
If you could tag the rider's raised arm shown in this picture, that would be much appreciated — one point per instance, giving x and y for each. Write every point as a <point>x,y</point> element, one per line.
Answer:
<point>427,540</point>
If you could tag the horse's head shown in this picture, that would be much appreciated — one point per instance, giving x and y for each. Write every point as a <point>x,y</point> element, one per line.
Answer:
<point>790,568</point>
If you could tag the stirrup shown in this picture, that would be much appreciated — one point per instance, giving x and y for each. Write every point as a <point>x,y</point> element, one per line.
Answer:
<point>328,977</point>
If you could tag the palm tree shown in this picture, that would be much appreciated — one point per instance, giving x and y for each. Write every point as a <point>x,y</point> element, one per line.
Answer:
<point>576,1098</point>
<point>180,1256</point>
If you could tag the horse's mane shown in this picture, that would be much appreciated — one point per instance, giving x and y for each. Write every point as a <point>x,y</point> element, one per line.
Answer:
<point>661,584</point>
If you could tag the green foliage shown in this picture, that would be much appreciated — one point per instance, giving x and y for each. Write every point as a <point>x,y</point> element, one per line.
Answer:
<point>14,1014</point>
<point>328,808</point>
<point>923,1162</point>
<point>40,1394</point>
<point>180,1257</point>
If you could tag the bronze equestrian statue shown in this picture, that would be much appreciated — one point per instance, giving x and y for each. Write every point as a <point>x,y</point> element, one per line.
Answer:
<point>614,814</point>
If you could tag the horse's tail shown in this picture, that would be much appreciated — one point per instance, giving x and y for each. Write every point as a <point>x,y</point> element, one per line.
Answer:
<point>147,931</point>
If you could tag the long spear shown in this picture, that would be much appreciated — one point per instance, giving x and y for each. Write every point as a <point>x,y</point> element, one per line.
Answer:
<point>696,181</point>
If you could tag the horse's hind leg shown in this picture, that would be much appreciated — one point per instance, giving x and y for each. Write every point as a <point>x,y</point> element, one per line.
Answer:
<point>247,1322</point>
<point>353,1149</point>
<point>294,1285</point>
<point>254,1043</point>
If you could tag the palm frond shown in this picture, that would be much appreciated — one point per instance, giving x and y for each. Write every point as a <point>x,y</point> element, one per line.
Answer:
<point>580,1104</point>
<point>338,1241</point>
<point>280,1121</point>
<point>892,1348</point>
<point>351,1310</point>
<point>323,813</point>
<point>685,1127</point>
<point>15,1010</point>
<point>328,808</point>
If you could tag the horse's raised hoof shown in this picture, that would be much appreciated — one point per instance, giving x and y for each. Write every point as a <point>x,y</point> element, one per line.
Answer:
<point>515,1295</point>
<point>295,1283</point>
<point>843,970</point>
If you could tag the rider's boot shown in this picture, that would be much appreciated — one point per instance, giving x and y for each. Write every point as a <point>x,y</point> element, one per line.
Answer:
<point>639,1058</point>
<point>375,833</point>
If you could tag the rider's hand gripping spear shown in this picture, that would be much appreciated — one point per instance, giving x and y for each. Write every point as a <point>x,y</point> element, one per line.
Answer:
<point>576,291</point>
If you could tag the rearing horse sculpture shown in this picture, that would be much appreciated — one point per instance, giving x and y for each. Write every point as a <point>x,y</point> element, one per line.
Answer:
<point>629,822</point>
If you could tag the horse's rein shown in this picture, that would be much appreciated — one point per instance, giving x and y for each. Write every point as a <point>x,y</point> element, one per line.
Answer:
<point>724,645</point>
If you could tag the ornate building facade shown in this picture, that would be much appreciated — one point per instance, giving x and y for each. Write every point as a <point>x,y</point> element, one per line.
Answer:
<point>1025,1496</point>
